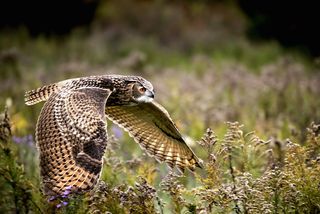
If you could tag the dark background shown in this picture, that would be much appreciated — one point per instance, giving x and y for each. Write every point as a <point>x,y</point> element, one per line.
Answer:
<point>292,23</point>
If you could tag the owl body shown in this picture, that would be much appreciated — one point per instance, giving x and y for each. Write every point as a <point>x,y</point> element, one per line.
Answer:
<point>71,129</point>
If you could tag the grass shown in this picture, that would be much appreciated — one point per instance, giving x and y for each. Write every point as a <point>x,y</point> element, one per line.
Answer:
<point>267,162</point>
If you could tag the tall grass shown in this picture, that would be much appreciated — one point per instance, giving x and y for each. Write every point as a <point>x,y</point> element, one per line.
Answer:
<point>267,162</point>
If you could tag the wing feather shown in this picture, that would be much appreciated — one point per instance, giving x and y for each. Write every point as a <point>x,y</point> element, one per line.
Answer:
<point>71,136</point>
<point>152,128</point>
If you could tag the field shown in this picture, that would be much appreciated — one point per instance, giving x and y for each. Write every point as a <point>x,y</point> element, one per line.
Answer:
<point>249,110</point>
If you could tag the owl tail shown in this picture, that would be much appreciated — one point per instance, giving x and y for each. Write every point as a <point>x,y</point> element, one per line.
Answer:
<point>40,94</point>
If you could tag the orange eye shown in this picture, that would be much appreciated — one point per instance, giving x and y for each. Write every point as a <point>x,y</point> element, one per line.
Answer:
<point>142,89</point>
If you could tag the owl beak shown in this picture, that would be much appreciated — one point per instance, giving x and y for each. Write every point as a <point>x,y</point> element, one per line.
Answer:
<point>147,97</point>
<point>150,94</point>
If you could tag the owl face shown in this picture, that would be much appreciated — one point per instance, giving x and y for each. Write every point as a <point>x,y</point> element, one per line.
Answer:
<point>141,94</point>
<point>130,90</point>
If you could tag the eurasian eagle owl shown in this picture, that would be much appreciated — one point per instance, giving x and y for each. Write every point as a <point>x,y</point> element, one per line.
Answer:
<point>71,130</point>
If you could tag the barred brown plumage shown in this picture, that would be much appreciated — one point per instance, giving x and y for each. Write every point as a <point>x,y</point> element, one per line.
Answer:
<point>71,130</point>
<point>40,94</point>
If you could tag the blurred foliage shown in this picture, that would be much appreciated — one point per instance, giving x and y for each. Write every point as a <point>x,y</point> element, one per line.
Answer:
<point>205,72</point>
<point>242,174</point>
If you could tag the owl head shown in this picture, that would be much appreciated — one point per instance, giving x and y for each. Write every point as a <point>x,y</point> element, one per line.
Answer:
<point>141,93</point>
<point>130,90</point>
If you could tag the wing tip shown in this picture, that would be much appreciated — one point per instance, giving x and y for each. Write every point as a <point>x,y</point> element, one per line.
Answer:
<point>39,94</point>
<point>199,163</point>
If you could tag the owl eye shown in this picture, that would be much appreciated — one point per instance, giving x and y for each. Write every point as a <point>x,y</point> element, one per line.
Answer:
<point>142,89</point>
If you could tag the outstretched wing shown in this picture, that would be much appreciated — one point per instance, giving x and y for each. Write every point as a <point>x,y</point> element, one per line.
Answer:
<point>151,126</point>
<point>71,136</point>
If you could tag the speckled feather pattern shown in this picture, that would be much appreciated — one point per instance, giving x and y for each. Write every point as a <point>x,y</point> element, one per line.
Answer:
<point>71,130</point>
<point>150,126</point>
<point>71,136</point>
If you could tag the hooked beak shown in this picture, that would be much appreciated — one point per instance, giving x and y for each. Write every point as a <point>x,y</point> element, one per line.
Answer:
<point>147,97</point>
<point>150,94</point>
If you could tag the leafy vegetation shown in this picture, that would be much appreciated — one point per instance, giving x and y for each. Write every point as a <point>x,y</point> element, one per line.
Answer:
<point>267,162</point>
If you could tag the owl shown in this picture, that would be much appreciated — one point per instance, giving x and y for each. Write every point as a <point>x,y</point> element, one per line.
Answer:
<point>71,132</point>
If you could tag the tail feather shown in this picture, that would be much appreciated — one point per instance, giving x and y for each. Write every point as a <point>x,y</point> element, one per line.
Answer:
<point>40,94</point>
